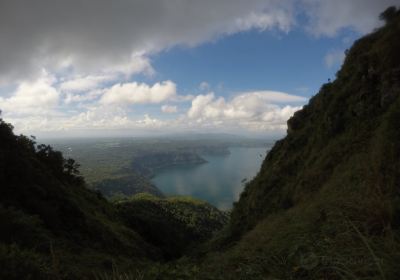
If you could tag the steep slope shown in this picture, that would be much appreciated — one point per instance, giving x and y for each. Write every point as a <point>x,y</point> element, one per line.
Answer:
<point>325,203</point>
<point>51,225</point>
<point>173,224</point>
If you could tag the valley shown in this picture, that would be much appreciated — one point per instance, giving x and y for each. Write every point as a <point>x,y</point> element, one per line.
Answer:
<point>213,168</point>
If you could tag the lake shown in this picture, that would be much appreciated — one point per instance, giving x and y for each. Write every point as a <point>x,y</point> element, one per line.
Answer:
<point>219,181</point>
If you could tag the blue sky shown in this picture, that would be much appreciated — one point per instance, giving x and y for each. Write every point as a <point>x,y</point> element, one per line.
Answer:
<point>171,66</point>
<point>293,62</point>
<point>255,60</point>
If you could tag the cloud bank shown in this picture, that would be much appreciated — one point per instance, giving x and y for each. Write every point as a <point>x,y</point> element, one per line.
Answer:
<point>99,34</point>
<point>250,110</point>
<point>71,64</point>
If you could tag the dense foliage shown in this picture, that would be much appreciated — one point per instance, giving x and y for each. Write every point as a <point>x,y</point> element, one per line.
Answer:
<point>53,227</point>
<point>174,224</point>
<point>50,220</point>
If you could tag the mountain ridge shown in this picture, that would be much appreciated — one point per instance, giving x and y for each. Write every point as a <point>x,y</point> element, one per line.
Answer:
<point>325,203</point>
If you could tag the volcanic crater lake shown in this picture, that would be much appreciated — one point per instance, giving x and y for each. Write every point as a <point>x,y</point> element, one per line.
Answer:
<point>219,181</point>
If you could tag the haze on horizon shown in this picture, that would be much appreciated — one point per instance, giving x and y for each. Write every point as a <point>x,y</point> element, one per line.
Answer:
<point>95,68</point>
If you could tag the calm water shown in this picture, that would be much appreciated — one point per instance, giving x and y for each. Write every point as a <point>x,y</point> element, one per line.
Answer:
<point>219,181</point>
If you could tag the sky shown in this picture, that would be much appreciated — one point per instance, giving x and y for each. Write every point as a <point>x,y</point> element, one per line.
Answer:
<point>140,67</point>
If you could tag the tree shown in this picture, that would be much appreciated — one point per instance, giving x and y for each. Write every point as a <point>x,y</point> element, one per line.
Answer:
<point>389,14</point>
<point>71,167</point>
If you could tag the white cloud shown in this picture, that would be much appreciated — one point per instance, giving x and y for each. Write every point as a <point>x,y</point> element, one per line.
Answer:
<point>38,97</point>
<point>135,93</point>
<point>250,110</point>
<point>118,36</point>
<point>100,117</point>
<point>169,109</point>
<point>138,63</point>
<point>106,43</point>
<point>270,96</point>
<point>199,103</point>
<point>79,84</point>
<point>334,58</point>
<point>263,21</point>
<point>83,97</point>
<point>99,34</point>
<point>95,119</point>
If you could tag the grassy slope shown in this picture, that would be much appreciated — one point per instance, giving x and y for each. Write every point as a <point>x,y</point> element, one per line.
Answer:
<point>325,204</point>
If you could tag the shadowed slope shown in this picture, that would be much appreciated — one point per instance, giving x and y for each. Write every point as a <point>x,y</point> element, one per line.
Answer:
<point>325,204</point>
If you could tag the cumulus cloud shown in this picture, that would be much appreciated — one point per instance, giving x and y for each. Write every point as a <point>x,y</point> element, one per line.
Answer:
<point>261,111</point>
<point>139,93</point>
<point>251,110</point>
<point>169,109</point>
<point>79,84</point>
<point>89,96</point>
<point>90,45</point>
<point>94,119</point>
<point>38,97</point>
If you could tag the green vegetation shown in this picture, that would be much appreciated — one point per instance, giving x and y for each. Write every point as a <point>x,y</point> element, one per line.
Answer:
<point>112,158</point>
<point>126,185</point>
<point>124,166</point>
<point>53,227</point>
<point>325,204</point>
<point>174,224</point>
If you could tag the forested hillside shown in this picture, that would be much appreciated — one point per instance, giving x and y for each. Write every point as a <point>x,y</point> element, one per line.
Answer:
<point>54,227</point>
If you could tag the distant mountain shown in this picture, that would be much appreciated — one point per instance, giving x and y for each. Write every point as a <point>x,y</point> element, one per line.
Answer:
<point>227,138</point>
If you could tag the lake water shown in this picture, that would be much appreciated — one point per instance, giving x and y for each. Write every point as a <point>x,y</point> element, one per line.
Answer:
<point>219,181</point>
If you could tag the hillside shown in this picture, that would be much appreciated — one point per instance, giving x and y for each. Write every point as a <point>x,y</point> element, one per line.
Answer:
<point>174,224</point>
<point>51,225</point>
<point>126,185</point>
<point>325,204</point>
<point>54,227</point>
